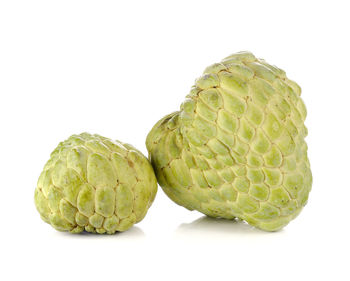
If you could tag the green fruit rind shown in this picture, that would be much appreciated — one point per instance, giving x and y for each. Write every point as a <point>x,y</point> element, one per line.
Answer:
<point>95,184</point>
<point>236,148</point>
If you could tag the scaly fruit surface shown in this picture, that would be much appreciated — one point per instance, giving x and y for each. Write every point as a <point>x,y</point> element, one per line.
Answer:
<point>95,184</point>
<point>236,148</point>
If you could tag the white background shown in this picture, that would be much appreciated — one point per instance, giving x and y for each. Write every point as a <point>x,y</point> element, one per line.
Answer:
<point>115,68</point>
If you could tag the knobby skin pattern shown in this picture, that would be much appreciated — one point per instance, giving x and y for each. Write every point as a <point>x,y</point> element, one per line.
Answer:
<point>236,148</point>
<point>95,184</point>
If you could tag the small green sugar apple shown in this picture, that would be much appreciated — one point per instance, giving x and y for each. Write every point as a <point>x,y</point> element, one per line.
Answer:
<point>95,184</point>
<point>236,148</point>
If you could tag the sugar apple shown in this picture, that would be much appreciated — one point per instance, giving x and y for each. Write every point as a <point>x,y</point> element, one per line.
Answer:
<point>95,184</point>
<point>236,148</point>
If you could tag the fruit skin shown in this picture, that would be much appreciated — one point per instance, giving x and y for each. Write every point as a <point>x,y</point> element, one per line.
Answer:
<point>236,148</point>
<point>95,184</point>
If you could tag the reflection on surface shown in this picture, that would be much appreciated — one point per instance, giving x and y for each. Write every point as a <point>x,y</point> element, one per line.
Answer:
<point>218,226</point>
<point>133,233</point>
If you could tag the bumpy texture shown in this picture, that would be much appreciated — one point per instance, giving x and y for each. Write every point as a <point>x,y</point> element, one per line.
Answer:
<point>236,148</point>
<point>95,184</point>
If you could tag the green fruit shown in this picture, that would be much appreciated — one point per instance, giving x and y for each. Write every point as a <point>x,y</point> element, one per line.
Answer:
<point>95,184</point>
<point>236,148</point>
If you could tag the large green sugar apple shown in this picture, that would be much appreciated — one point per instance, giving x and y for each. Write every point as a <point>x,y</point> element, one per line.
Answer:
<point>95,184</point>
<point>236,148</point>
